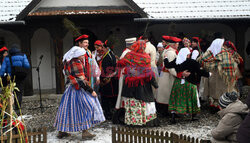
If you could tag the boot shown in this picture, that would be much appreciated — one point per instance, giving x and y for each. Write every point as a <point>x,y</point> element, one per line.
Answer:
<point>172,121</point>
<point>62,134</point>
<point>193,117</point>
<point>87,135</point>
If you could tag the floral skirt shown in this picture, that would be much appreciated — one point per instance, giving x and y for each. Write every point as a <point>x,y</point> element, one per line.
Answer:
<point>139,112</point>
<point>78,111</point>
<point>183,98</point>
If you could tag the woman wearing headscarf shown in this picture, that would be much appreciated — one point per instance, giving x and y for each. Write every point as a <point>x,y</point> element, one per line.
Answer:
<point>218,60</point>
<point>137,88</point>
<point>184,96</point>
<point>79,109</point>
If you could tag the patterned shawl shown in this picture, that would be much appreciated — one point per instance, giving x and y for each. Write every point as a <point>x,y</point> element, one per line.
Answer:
<point>137,65</point>
<point>224,63</point>
<point>74,70</point>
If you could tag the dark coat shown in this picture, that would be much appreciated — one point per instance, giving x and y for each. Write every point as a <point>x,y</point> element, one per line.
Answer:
<point>243,134</point>
<point>141,92</point>
<point>192,66</point>
<point>18,59</point>
<point>108,67</point>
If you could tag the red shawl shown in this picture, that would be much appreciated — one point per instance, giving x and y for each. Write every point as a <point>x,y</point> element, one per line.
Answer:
<point>137,65</point>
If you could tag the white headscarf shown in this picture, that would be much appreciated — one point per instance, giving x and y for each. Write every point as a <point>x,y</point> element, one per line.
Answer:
<point>182,55</point>
<point>74,52</point>
<point>216,45</point>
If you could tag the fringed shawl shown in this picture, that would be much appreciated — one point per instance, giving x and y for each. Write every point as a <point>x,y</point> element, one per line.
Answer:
<point>224,63</point>
<point>137,65</point>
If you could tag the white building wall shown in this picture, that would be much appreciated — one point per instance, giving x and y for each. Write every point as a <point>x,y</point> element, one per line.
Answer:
<point>41,45</point>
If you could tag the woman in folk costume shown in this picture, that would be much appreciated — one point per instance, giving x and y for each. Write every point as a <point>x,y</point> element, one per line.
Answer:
<point>167,76</point>
<point>239,60</point>
<point>79,109</point>
<point>109,81</point>
<point>196,48</point>
<point>219,60</point>
<point>118,117</point>
<point>184,95</point>
<point>137,88</point>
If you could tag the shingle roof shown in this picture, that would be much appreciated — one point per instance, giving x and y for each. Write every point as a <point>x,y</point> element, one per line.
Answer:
<point>9,9</point>
<point>195,9</point>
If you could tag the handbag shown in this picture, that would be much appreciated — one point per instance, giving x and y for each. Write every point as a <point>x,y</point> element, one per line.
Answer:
<point>20,72</point>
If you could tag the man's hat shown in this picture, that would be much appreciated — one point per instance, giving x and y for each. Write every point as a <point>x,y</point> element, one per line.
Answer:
<point>130,41</point>
<point>81,37</point>
<point>171,39</point>
<point>3,49</point>
<point>98,42</point>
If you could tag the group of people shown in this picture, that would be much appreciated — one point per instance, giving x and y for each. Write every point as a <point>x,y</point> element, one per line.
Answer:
<point>145,82</point>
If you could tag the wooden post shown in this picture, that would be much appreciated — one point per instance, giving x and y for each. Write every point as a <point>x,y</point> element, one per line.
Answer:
<point>58,47</point>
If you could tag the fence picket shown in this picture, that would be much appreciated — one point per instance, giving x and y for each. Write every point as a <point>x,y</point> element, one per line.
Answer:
<point>134,135</point>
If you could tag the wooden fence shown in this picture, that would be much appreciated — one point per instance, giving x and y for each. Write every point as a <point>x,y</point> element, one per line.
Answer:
<point>34,136</point>
<point>133,135</point>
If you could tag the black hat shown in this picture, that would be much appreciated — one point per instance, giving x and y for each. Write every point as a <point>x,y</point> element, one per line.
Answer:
<point>227,98</point>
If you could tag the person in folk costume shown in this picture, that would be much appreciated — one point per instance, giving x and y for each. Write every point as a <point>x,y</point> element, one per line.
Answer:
<point>92,71</point>
<point>167,76</point>
<point>239,60</point>
<point>97,57</point>
<point>159,60</point>
<point>118,117</point>
<point>137,89</point>
<point>151,50</point>
<point>184,95</point>
<point>196,48</point>
<point>186,43</point>
<point>79,109</point>
<point>109,81</point>
<point>219,60</point>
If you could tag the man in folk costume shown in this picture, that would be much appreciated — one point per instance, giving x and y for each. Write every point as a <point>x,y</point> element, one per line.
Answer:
<point>118,117</point>
<point>151,50</point>
<point>167,76</point>
<point>137,88</point>
<point>129,42</point>
<point>219,60</point>
<point>109,81</point>
<point>92,70</point>
<point>79,109</point>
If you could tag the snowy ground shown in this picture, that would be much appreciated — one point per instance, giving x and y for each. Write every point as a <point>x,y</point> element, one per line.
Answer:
<point>35,119</point>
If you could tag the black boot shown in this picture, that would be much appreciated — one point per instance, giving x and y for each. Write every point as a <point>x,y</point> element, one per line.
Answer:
<point>193,117</point>
<point>172,121</point>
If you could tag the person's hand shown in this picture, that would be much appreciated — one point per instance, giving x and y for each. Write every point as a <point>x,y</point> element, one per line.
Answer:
<point>98,82</point>
<point>186,73</point>
<point>94,94</point>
